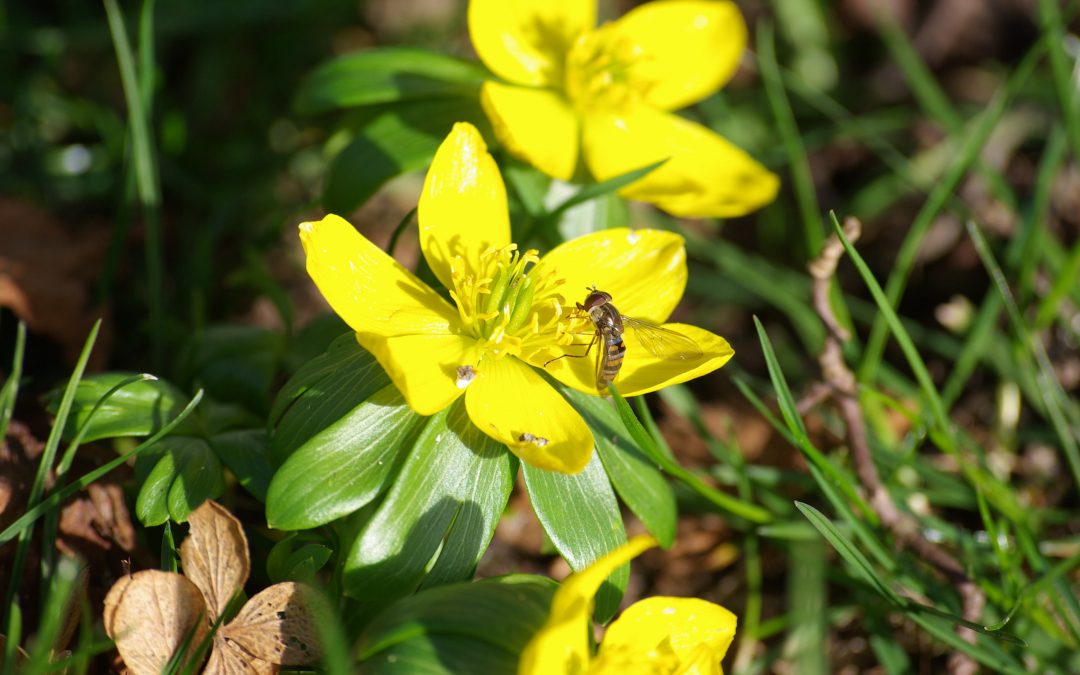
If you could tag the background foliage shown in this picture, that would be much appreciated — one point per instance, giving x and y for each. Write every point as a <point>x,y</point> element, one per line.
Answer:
<point>167,204</point>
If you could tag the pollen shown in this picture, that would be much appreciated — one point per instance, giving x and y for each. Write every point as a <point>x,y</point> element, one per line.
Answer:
<point>504,301</point>
<point>600,73</point>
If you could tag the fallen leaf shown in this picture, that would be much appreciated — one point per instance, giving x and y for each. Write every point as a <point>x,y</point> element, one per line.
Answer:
<point>149,614</point>
<point>277,625</point>
<point>215,555</point>
<point>46,275</point>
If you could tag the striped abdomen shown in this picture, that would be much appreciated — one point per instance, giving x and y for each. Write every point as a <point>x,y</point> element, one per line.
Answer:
<point>610,360</point>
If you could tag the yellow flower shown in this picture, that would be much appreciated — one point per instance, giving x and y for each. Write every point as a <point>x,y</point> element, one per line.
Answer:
<point>511,315</point>
<point>606,91</point>
<point>655,636</point>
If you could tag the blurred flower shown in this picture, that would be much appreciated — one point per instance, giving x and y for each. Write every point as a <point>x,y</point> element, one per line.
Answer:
<point>511,313</point>
<point>606,91</point>
<point>654,636</point>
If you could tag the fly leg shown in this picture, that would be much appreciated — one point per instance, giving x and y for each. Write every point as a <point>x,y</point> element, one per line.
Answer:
<point>595,337</point>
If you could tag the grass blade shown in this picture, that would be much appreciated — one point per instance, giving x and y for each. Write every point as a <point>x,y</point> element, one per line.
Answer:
<point>790,413</point>
<point>1053,396</point>
<point>641,436</point>
<point>802,180</point>
<point>10,391</point>
<point>891,321</point>
<point>137,88</point>
<point>55,498</point>
<point>966,156</point>
<point>48,455</point>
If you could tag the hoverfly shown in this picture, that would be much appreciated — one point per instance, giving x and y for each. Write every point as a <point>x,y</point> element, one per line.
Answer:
<point>609,325</point>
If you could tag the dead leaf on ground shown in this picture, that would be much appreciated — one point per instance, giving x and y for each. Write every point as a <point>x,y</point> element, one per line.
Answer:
<point>47,273</point>
<point>150,614</point>
<point>274,628</point>
<point>215,555</point>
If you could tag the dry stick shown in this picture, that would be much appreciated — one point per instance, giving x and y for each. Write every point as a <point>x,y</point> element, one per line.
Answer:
<point>841,386</point>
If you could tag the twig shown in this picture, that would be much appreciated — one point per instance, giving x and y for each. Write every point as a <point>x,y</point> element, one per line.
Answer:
<point>842,387</point>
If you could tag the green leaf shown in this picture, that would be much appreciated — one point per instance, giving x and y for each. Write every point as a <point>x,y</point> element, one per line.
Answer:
<point>848,551</point>
<point>56,497</point>
<point>639,483</point>
<point>479,627</point>
<point>393,141</point>
<point>321,392</point>
<point>854,557</point>
<point>184,472</point>
<point>10,391</point>
<point>602,213</point>
<point>343,467</point>
<point>295,558</point>
<point>606,187</point>
<point>385,75</point>
<point>235,364</point>
<point>660,457</point>
<point>311,340</point>
<point>440,515</point>
<point>580,515</point>
<point>441,655</point>
<point>797,429</point>
<point>246,453</point>
<point>139,408</point>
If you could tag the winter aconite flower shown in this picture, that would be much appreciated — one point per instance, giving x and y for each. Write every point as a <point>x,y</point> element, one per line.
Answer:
<point>604,93</point>
<point>655,636</point>
<point>512,312</point>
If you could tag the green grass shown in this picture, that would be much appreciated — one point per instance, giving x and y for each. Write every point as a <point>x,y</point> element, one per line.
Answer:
<point>955,415</point>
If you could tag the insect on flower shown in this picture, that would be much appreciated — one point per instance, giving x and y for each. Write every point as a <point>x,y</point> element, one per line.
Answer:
<point>608,328</point>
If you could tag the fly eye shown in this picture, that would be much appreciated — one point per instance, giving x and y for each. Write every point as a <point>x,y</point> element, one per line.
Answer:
<point>596,299</point>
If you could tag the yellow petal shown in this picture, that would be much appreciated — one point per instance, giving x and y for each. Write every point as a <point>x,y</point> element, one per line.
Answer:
<point>704,175</point>
<point>368,289</point>
<point>514,405</point>
<point>562,645</point>
<point>643,270</point>
<point>535,125</point>
<point>462,210</point>
<point>685,49</point>
<point>424,368</point>
<point>698,632</point>
<point>525,41</point>
<point>641,371</point>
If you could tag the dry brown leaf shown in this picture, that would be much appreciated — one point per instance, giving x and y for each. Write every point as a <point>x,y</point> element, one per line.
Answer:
<point>229,658</point>
<point>148,615</point>
<point>277,625</point>
<point>215,555</point>
<point>46,275</point>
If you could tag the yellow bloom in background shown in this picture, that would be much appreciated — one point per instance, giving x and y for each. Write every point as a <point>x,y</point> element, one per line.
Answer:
<point>604,93</point>
<point>510,316</point>
<point>655,636</point>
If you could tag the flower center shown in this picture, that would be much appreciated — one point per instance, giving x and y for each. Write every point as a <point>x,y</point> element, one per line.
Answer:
<point>505,304</point>
<point>600,72</point>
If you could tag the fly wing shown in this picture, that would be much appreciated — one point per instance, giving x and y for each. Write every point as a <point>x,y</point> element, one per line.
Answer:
<point>661,342</point>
